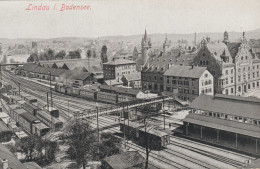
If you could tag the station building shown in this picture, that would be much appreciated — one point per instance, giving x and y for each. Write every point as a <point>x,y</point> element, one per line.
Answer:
<point>229,121</point>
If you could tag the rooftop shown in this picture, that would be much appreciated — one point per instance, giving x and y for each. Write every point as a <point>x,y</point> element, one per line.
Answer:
<point>29,117</point>
<point>13,162</point>
<point>3,127</point>
<point>125,160</point>
<point>233,105</point>
<point>162,63</point>
<point>185,71</point>
<point>119,62</point>
<point>221,124</point>
<point>131,77</point>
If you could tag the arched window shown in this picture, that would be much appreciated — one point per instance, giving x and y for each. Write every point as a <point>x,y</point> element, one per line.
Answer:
<point>203,54</point>
<point>203,62</point>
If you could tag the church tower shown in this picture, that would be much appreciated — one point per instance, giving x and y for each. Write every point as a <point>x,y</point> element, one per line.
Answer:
<point>166,45</point>
<point>225,38</point>
<point>146,45</point>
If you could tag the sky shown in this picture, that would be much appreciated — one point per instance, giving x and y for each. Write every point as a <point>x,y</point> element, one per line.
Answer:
<point>127,17</point>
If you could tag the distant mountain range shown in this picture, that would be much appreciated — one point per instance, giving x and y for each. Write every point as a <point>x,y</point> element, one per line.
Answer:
<point>156,38</point>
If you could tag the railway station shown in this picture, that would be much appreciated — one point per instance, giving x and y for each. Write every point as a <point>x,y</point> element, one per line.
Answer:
<point>229,121</point>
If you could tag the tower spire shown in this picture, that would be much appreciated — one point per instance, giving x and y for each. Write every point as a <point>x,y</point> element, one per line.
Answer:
<point>145,34</point>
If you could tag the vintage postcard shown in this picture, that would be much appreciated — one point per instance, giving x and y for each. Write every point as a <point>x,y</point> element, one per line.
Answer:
<point>123,84</point>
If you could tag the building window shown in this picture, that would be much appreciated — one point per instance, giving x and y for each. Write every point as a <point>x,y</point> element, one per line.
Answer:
<point>248,86</point>
<point>203,54</point>
<point>206,75</point>
<point>253,74</point>
<point>155,78</point>
<point>232,90</point>
<point>231,79</point>
<point>239,69</point>
<point>239,78</point>
<point>246,57</point>
<point>248,75</point>
<point>257,66</point>
<point>227,91</point>
<point>226,80</point>
<point>239,88</point>
<point>203,62</point>
<point>231,71</point>
<point>174,82</point>
<point>226,72</point>
<point>253,84</point>
<point>200,62</point>
<point>168,81</point>
<point>253,67</point>
<point>257,84</point>
<point>244,68</point>
<point>242,58</point>
<point>257,74</point>
<point>193,91</point>
<point>207,62</point>
<point>248,68</point>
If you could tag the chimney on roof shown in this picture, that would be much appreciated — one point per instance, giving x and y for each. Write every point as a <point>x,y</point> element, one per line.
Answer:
<point>4,164</point>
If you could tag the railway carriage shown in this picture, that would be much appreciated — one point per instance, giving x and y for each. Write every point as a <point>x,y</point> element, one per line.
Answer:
<point>89,94</point>
<point>50,121</point>
<point>16,114</point>
<point>107,97</point>
<point>15,99</point>
<point>31,108</point>
<point>6,98</point>
<point>136,131</point>
<point>40,129</point>
<point>26,121</point>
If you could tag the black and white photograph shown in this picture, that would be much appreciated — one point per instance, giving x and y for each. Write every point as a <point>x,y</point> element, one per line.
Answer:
<point>129,84</point>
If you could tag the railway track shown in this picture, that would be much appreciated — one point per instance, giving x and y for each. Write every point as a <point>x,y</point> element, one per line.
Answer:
<point>78,105</point>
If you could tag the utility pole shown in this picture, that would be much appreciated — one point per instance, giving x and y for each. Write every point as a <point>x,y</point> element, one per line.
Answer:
<point>50,89</point>
<point>97,125</point>
<point>124,124</point>
<point>68,107</point>
<point>163,116</point>
<point>127,122</point>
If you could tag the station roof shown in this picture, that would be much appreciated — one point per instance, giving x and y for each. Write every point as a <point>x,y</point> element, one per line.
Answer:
<point>20,111</point>
<point>40,126</point>
<point>233,105</point>
<point>226,125</point>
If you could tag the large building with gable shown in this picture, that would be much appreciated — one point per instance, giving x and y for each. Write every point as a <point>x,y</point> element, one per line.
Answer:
<point>234,66</point>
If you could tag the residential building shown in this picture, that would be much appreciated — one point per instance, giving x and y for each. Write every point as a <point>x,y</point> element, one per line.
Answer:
<point>116,68</point>
<point>155,67</point>
<point>246,67</point>
<point>217,59</point>
<point>132,80</point>
<point>229,121</point>
<point>187,82</point>
<point>234,65</point>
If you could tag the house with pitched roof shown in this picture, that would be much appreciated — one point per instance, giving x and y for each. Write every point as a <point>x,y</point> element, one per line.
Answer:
<point>116,68</point>
<point>155,67</point>
<point>188,82</point>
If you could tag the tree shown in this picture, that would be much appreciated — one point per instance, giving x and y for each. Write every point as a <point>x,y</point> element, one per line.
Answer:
<point>74,54</point>
<point>88,53</point>
<point>33,58</point>
<point>28,147</point>
<point>4,59</point>
<point>60,55</point>
<point>50,54</point>
<point>146,122</point>
<point>1,51</point>
<point>82,146</point>
<point>104,54</point>
<point>37,149</point>
<point>110,145</point>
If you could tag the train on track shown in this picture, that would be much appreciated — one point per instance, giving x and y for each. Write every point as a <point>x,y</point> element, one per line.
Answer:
<point>24,110</point>
<point>94,94</point>
<point>136,131</point>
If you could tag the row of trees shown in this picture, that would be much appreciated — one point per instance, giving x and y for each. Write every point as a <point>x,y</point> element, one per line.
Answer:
<point>52,55</point>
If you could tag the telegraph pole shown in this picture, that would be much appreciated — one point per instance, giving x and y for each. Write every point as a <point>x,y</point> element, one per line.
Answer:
<point>163,116</point>
<point>97,125</point>
<point>124,124</point>
<point>50,90</point>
